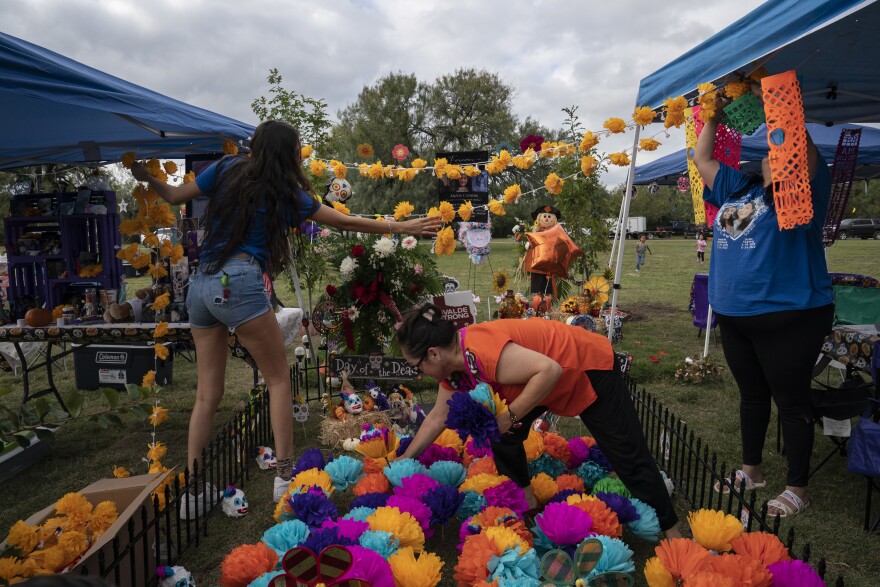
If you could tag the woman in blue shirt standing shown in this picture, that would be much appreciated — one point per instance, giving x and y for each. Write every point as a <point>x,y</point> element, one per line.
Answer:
<point>772,293</point>
<point>254,202</point>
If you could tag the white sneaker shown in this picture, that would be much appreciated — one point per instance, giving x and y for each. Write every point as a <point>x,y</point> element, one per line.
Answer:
<point>280,488</point>
<point>192,506</point>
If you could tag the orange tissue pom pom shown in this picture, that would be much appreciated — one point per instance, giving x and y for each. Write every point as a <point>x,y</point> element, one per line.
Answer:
<point>245,563</point>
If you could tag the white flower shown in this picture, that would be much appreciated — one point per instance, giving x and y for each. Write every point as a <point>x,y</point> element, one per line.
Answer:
<point>382,317</point>
<point>476,299</point>
<point>409,243</point>
<point>352,313</point>
<point>516,229</point>
<point>385,247</point>
<point>499,299</point>
<point>348,266</point>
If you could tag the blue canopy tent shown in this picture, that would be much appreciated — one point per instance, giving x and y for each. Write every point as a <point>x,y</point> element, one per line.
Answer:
<point>832,44</point>
<point>667,170</point>
<point>57,110</point>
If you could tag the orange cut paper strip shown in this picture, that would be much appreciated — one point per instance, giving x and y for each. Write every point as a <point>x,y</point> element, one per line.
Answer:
<point>787,139</point>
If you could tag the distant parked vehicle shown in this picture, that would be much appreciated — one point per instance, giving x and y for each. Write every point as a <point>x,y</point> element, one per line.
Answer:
<point>863,228</point>
<point>678,227</point>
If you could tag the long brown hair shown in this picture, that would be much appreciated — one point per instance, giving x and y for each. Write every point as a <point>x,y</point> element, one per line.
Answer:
<point>270,178</point>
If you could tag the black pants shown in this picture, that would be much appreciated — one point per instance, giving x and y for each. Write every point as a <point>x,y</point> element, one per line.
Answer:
<point>613,421</point>
<point>701,256</point>
<point>772,355</point>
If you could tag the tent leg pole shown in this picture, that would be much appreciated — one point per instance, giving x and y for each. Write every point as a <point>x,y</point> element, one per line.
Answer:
<point>621,231</point>
<point>708,331</point>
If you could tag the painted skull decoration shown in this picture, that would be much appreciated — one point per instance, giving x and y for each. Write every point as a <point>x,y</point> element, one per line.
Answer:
<point>352,403</point>
<point>175,577</point>
<point>266,458</point>
<point>338,190</point>
<point>300,412</point>
<point>235,504</point>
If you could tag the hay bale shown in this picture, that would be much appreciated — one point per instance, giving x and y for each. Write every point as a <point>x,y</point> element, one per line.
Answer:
<point>334,431</point>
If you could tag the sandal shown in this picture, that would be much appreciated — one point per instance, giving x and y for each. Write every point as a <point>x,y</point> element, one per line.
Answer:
<point>742,477</point>
<point>785,506</point>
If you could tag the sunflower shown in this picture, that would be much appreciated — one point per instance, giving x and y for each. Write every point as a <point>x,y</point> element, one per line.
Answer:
<point>500,281</point>
<point>597,289</point>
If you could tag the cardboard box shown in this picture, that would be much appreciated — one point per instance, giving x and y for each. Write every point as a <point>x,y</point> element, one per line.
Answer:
<point>129,494</point>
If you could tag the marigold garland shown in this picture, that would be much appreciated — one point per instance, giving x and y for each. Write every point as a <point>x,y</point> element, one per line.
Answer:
<point>403,210</point>
<point>512,194</point>
<point>445,243</point>
<point>554,184</point>
<point>340,207</point>
<point>615,125</point>
<point>466,210</point>
<point>648,144</point>
<point>643,115</point>
<point>621,159</point>
<point>496,207</point>
<point>306,152</point>
<point>447,212</point>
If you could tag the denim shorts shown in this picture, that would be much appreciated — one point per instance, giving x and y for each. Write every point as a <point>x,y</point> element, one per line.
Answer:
<point>210,303</point>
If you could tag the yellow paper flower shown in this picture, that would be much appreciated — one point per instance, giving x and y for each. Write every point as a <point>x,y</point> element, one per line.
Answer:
<point>554,184</point>
<point>440,167</point>
<point>512,194</point>
<point>312,478</point>
<point>674,108</point>
<point>161,302</point>
<point>589,164</point>
<point>713,529</point>
<point>707,101</point>
<point>156,451</point>
<point>102,518</point>
<point>306,152</point>
<point>548,149</point>
<point>121,472</point>
<point>447,212</point>
<point>648,144</point>
<point>166,248</point>
<point>126,253</point>
<point>376,170</point>
<point>500,281</point>
<point>189,177</point>
<point>656,574</point>
<point>597,289</point>
<point>91,270</point>
<point>411,571</point>
<point>451,439</point>
<point>403,210</point>
<point>128,159</point>
<point>365,150</point>
<point>317,167</point>
<point>621,159</point>
<point>402,525</point>
<point>454,171</point>
<point>170,167</point>
<point>339,169</point>
<point>466,210</point>
<point>158,270</point>
<point>22,537</point>
<point>419,163</point>
<point>73,503</point>
<point>544,487</point>
<point>433,211</point>
<point>161,351</point>
<point>505,539</point>
<point>615,125</point>
<point>534,445</point>
<point>643,116</point>
<point>340,207</point>
<point>495,166</point>
<point>406,174</point>
<point>230,148</point>
<point>734,90</point>
<point>482,482</point>
<point>472,170</point>
<point>158,415</point>
<point>496,207</point>
<point>445,243</point>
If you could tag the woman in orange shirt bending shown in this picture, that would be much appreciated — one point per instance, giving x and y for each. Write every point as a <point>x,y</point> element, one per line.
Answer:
<point>535,365</point>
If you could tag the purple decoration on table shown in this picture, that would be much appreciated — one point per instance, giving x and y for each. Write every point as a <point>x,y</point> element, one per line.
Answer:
<point>435,453</point>
<point>369,500</point>
<point>580,451</point>
<point>313,458</point>
<point>404,444</point>
<point>351,529</point>
<point>310,229</point>
<point>507,495</point>
<point>598,457</point>
<point>564,524</point>
<point>563,495</point>
<point>415,508</point>
<point>313,508</point>
<point>794,573</point>
<point>477,451</point>
<point>444,502</point>
<point>321,538</point>
<point>415,486</point>
<point>369,566</point>
<point>471,418</point>
<point>620,505</point>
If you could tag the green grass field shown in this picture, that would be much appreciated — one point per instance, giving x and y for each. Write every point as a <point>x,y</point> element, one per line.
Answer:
<point>658,324</point>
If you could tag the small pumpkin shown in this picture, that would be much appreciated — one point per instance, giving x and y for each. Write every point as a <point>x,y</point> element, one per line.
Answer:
<point>38,317</point>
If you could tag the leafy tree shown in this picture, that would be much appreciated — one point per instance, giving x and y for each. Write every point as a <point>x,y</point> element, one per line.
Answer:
<point>864,200</point>
<point>309,115</point>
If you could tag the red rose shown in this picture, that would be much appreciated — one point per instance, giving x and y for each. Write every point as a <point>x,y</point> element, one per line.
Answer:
<point>357,251</point>
<point>331,290</point>
<point>414,289</point>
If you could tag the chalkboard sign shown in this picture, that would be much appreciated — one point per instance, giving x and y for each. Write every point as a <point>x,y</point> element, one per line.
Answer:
<point>371,367</point>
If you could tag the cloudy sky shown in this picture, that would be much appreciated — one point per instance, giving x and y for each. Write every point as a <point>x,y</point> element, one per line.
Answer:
<point>216,54</point>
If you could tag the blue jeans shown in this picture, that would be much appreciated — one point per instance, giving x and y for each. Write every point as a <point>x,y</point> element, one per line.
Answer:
<point>640,260</point>
<point>210,303</point>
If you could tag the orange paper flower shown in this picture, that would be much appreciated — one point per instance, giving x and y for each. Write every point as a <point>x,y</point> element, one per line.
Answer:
<point>480,466</point>
<point>372,483</point>
<point>761,546</point>
<point>683,557</point>
<point>557,447</point>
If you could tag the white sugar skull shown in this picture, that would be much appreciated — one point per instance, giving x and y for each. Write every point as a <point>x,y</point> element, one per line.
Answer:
<point>338,190</point>
<point>300,412</point>
<point>375,363</point>
<point>352,403</point>
<point>235,504</point>
<point>175,577</point>
<point>266,458</point>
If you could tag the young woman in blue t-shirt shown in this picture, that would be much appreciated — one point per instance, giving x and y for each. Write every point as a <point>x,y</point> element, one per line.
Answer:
<point>772,294</point>
<point>254,202</point>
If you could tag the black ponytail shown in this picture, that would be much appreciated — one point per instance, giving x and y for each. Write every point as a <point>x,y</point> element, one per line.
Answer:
<point>423,328</point>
